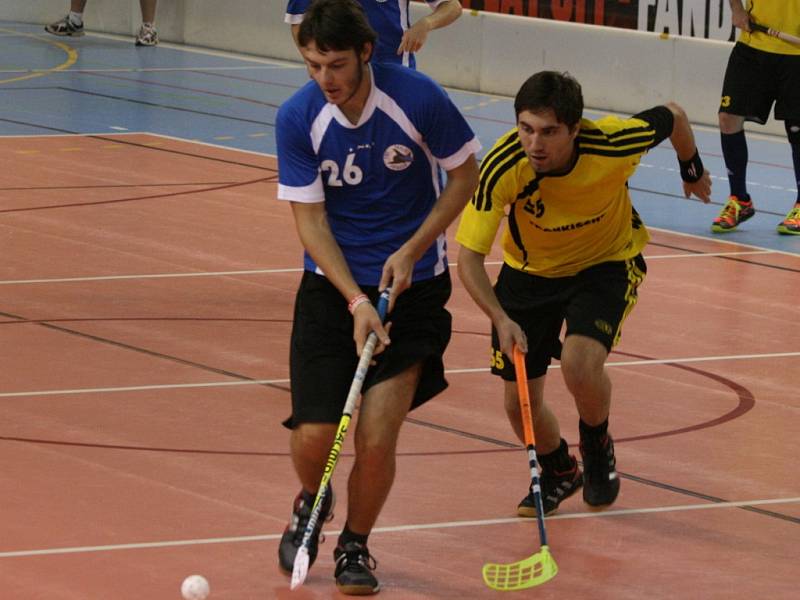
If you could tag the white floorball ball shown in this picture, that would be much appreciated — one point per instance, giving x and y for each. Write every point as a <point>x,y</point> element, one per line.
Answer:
<point>195,587</point>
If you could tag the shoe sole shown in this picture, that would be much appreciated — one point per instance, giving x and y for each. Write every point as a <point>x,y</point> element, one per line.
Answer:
<point>69,34</point>
<point>358,590</point>
<point>786,231</point>
<point>722,229</point>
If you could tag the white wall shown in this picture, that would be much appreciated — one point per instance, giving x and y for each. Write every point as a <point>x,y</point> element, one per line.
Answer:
<point>620,70</point>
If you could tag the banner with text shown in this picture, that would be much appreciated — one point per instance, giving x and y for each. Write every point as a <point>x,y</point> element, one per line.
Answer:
<point>694,18</point>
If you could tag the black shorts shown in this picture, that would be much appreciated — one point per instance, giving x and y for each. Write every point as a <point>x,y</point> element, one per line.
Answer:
<point>754,79</point>
<point>323,356</point>
<point>593,302</point>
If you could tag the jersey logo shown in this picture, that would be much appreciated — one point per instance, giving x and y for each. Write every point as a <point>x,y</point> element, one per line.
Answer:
<point>398,157</point>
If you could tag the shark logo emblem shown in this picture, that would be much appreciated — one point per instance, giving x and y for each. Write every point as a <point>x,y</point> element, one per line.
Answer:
<point>398,157</point>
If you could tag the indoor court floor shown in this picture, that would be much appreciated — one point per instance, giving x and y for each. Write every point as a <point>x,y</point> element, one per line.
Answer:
<point>146,294</point>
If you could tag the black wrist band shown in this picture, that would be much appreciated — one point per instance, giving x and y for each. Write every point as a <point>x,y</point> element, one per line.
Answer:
<point>692,169</point>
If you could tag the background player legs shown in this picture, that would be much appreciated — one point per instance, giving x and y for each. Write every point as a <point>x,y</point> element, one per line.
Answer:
<point>148,11</point>
<point>381,415</point>
<point>734,151</point>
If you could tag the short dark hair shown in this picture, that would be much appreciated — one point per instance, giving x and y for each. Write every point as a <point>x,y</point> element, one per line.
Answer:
<point>551,89</point>
<point>336,25</point>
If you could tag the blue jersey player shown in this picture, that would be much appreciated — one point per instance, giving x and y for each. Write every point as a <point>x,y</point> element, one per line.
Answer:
<point>360,150</point>
<point>398,39</point>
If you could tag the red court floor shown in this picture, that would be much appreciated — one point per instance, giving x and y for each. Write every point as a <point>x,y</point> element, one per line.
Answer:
<point>147,287</point>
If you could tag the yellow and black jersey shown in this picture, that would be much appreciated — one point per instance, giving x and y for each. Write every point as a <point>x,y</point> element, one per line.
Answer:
<point>561,224</point>
<point>778,14</point>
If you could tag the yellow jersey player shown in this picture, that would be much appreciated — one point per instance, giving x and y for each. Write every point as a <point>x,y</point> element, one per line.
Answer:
<point>572,252</point>
<point>761,70</point>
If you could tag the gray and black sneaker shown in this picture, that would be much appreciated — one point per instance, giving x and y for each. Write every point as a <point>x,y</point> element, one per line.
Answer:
<point>65,27</point>
<point>601,485</point>
<point>293,534</point>
<point>354,567</point>
<point>556,487</point>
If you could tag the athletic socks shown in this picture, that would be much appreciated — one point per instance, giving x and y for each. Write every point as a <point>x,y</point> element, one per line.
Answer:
<point>796,161</point>
<point>75,18</point>
<point>593,434</point>
<point>557,461</point>
<point>348,535</point>
<point>734,150</point>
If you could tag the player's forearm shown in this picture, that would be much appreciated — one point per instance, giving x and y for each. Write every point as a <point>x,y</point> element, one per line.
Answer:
<point>461,184</point>
<point>473,275</point>
<point>317,238</point>
<point>740,16</point>
<point>682,137</point>
<point>443,15</point>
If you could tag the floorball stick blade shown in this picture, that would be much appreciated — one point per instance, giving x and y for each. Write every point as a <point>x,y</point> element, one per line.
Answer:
<point>300,568</point>
<point>532,571</point>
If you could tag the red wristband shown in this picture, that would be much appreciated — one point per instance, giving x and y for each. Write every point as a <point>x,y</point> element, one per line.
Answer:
<point>357,300</point>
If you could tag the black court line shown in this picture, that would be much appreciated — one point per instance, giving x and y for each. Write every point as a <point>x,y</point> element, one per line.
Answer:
<point>184,88</point>
<point>693,199</point>
<point>138,198</point>
<point>36,188</point>
<point>164,106</point>
<point>124,142</point>
<point>748,261</point>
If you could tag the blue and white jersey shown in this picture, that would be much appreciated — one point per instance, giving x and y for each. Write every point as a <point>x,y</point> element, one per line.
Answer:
<point>379,178</point>
<point>389,19</point>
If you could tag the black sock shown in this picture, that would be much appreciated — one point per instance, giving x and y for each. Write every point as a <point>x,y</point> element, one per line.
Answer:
<point>796,161</point>
<point>558,460</point>
<point>593,434</point>
<point>734,150</point>
<point>348,535</point>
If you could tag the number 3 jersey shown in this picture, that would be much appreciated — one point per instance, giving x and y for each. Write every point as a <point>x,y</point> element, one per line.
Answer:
<point>379,178</point>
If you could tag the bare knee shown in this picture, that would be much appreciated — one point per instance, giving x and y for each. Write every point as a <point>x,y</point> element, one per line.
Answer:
<point>375,450</point>
<point>582,364</point>
<point>313,436</point>
<point>729,123</point>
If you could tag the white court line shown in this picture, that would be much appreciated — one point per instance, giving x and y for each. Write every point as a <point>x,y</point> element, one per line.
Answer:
<point>172,386</point>
<point>417,527</point>
<point>298,270</point>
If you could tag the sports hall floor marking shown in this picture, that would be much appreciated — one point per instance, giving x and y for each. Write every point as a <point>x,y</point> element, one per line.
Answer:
<point>298,270</point>
<point>414,527</point>
<point>210,384</point>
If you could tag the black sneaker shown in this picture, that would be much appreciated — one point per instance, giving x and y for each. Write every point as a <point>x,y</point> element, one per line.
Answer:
<point>556,487</point>
<point>354,567</point>
<point>599,468</point>
<point>293,534</point>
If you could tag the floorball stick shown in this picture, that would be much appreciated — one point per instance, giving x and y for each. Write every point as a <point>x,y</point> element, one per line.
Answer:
<point>301,559</point>
<point>541,566</point>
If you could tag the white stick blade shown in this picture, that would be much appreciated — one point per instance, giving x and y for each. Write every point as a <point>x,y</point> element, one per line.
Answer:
<point>300,568</point>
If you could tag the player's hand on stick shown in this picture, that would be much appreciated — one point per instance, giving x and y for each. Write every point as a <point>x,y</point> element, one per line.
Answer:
<point>510,334</point>
<point>397,272</point>
<point>365,321</point>
<point>700,188</point>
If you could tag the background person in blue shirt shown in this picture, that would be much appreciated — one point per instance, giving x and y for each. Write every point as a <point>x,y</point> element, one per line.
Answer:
<point>397,38</point>
<point>359,154</point>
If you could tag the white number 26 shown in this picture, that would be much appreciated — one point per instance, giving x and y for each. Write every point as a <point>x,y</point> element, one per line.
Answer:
<point>351,173</point>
